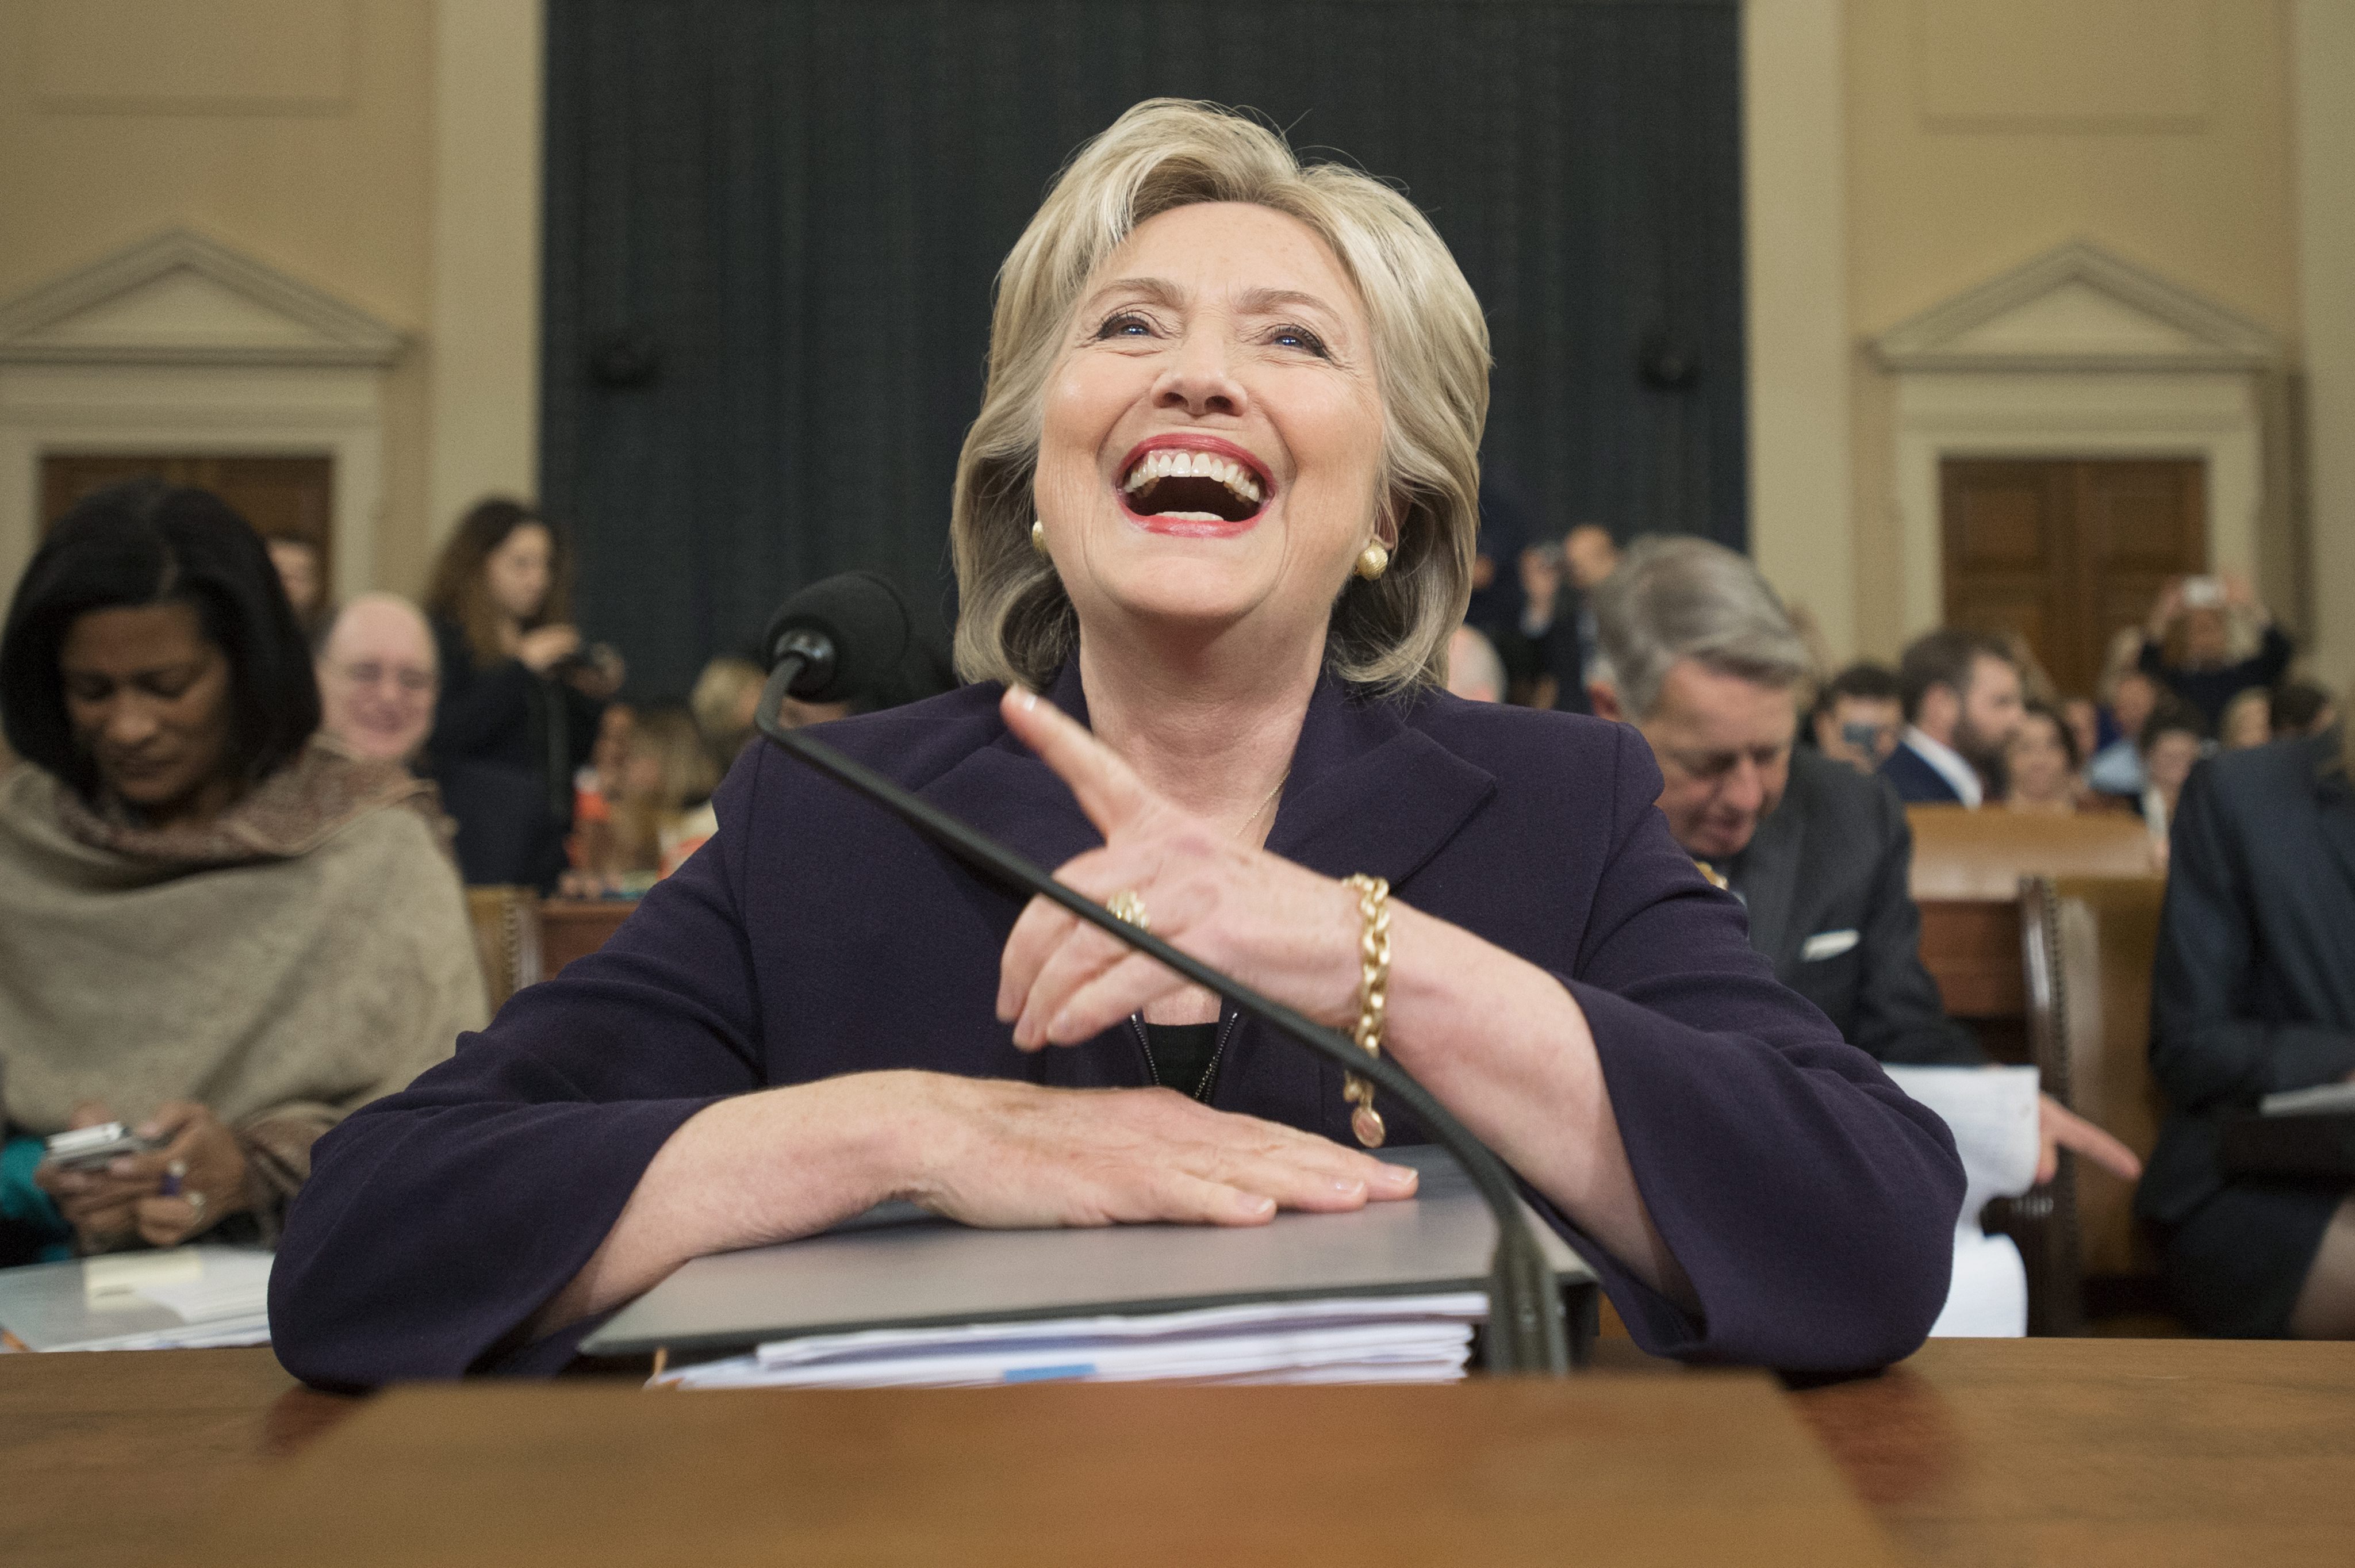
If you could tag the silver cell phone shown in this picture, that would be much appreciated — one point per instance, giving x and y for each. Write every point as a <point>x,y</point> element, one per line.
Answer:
<point>87,1148</point>
<point>2204,593</point>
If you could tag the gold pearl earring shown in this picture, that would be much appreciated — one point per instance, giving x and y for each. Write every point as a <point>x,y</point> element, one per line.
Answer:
<point>1037,536</point>
<point>1373,560</point>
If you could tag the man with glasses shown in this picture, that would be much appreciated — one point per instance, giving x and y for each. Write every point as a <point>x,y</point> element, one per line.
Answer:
<point>1695,651</point>
<point>377,679</point>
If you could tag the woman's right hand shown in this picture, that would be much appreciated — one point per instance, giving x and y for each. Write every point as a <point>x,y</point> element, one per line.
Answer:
<point>1009,1155</point>
<point>542,649</point>
<point>789,1162</point>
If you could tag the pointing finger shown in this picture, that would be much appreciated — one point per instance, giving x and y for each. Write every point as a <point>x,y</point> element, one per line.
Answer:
<point>1108,791</point>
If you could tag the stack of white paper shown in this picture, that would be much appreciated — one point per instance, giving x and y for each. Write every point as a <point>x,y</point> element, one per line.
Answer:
<point>1349,1339</point>
<point>179,1298</point>
<point>1993,1113</point>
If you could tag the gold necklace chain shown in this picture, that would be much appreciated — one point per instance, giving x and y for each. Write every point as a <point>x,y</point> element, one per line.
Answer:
<point>1264,805</point>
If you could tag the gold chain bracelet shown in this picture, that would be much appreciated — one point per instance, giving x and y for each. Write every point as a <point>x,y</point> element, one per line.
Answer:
<point>1373,992</point>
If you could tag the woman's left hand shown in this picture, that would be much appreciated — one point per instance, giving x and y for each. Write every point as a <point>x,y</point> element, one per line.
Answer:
<point>1282,929</point>
<point>209,1164</point>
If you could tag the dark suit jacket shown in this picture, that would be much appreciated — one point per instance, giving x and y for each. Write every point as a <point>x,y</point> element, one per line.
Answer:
<point>1811,1204</point>
<point>1916,782</point>
<point>2253,991</point>
<point>1825,877</point>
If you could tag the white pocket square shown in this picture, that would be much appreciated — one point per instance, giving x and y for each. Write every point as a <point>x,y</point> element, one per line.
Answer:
<point>1826,944</point>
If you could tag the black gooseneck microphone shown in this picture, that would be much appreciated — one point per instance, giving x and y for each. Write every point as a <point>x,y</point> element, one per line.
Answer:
<point>837,636</point>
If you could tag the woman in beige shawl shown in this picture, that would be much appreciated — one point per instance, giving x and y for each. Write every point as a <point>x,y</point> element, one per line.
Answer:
<point>213,925</point>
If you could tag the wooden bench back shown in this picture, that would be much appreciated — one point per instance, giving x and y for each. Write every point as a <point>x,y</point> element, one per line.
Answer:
<point>506,938</point>
<point>1982,855</point>
<point>2090,942</point>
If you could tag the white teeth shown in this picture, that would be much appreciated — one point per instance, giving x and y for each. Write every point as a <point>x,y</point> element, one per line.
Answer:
<point>1175,463</point>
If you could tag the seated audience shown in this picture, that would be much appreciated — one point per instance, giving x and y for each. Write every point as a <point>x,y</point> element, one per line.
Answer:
<point>2173,739</point>
<point>658,809</point>
<point>1858,716</point>
<point>1962,695</point>
<point>2248,720</point>
<point>377,678</point>
<point>2254,992</point>
<point>2083,716</point>
<point>297,561</point>
<point>2300,707</point>
<point>1697,652</point>
<point>1474,671</point>
<point>597,790</point>
<point>520,694</point>
<point>216,929</point>
<point>727,698</point>
<point>2188,642</point>
<point>2039,763</point>
<point>2117,768</point>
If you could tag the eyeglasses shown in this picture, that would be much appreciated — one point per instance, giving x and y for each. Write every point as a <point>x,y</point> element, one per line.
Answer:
<point>412,681</point>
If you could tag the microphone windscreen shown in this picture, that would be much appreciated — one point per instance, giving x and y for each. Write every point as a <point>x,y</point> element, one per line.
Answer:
<point>862,615</point>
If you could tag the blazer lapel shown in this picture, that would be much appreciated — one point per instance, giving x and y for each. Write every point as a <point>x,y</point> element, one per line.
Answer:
<point>1770,876</point>
<point>1368,793</point>
<point>1004,791</point>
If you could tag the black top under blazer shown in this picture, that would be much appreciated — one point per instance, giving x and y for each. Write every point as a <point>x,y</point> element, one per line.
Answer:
<point>1826,879</point>
<point>1810,1202</point>
<point>2253,991</point>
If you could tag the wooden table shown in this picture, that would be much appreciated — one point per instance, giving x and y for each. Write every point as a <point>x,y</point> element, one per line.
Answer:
<point>2071,1451</point>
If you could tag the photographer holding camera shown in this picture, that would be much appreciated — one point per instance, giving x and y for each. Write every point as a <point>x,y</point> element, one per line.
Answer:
<point>2187,643</point>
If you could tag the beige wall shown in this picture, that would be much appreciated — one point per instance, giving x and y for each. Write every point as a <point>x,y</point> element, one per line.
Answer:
<point>1981,132</point>
<point>308,134</point>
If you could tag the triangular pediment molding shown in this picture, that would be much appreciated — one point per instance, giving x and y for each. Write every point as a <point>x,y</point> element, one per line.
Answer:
<point>2078,307</point>
<point>185,298</point>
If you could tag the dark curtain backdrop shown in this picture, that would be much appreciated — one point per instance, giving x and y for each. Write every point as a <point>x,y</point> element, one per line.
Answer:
<point>772,225</point>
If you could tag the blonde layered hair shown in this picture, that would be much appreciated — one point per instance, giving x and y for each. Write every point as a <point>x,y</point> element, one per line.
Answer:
<point>1430,354</point>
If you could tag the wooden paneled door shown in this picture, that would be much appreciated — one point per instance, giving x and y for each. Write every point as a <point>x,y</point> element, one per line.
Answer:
<point>2066,551</point>
<point>280,497</point>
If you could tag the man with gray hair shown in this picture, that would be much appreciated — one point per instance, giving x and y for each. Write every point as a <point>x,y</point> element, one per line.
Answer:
<point>1696,652</point>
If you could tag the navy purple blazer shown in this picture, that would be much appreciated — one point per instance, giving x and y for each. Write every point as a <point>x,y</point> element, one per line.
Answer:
<point>1810,1202</point>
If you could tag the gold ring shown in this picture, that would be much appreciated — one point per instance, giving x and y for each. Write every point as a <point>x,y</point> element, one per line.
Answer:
<point>1128,906</point>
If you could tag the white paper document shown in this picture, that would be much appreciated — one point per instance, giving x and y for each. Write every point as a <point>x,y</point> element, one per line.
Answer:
<point>1366,1338</point>
<point>182,1298</point>
<point>1993,1113</point>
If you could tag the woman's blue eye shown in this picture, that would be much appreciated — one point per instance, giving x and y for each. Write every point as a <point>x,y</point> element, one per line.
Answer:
<point>1122,324</point>
<point>1296,337</point>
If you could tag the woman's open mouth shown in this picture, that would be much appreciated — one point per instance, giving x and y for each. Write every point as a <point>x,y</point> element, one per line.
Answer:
<point>1193,485</point>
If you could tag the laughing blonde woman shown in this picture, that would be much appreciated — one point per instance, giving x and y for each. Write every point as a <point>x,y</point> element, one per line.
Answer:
<point>1213,526</point>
